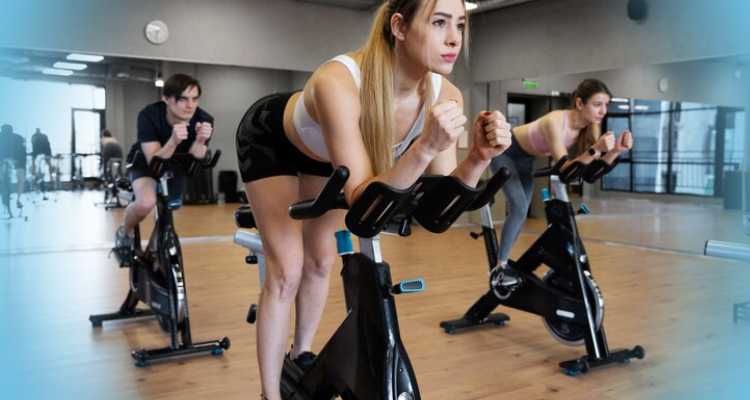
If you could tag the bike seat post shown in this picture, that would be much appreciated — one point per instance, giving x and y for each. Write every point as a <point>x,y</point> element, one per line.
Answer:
<point>371,248</point>
<point>344,244</point>
<point>558,188</point>
<point>163,182</point>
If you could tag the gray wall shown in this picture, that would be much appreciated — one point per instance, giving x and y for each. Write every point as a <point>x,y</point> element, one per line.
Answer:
<point>237,44</point>
<point>227,94</point>
<point>568,36</point>
<point>276,34</point>
<point>240,50</point>
<point>705,81</point>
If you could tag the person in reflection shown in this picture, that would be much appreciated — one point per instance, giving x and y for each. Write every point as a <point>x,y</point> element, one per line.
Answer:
<point>110,150</point>
<point>13,149</point>
<point>40,147</point>
<point>173,125</point>
<point>576,129</point>
<point>388,114</point>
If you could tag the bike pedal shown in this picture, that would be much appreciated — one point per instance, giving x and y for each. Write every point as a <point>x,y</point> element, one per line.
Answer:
<point>409,286</point>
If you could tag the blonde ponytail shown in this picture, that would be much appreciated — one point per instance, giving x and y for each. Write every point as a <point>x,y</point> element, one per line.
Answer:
<point>377,122</point>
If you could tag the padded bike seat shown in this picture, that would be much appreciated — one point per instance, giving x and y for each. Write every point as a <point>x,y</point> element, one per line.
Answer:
<point>244,218</point>
<point>124,184</point>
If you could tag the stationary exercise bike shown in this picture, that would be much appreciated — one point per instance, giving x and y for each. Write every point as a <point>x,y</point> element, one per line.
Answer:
<point>365,359</point>
<point>567,297</point>
<point>113,183</point>
<point>7,167</point>
<point>157,274</point>
<point>42,177</point>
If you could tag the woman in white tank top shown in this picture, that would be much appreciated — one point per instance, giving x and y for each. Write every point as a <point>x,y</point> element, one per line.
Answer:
<point>359,113</point>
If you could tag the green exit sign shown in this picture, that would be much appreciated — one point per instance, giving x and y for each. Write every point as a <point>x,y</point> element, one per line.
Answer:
<point>530,84</point>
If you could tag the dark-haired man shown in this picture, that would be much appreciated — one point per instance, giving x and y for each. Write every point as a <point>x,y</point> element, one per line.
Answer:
<point>174,125</point>
<point>13,147</point>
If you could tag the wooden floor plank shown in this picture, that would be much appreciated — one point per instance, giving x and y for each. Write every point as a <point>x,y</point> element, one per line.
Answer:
<point>679,307</point>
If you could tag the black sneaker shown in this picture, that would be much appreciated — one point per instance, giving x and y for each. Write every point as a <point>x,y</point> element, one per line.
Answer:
<point>304,360</point>
<point>123,247</point>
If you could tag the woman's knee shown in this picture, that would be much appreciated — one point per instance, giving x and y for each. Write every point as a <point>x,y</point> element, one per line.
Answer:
<point>282,283</point>
<point>319,265</point>
<point>283,287</point>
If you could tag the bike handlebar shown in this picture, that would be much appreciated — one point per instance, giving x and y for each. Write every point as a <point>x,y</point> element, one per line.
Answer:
<point>330,198</point>
<point>577,170</point>
<point>435,201</point>
<point>184,162</point>
<point>490,189</point>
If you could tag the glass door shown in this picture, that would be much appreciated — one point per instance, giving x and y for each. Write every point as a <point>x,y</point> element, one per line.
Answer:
<point>85,159</point>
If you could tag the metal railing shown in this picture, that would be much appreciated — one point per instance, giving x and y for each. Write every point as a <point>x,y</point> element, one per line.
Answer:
<point>688,172</point>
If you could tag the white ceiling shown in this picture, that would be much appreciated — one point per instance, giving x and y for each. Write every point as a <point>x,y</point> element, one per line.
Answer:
<point>484,5</point>
<point>29,63</point>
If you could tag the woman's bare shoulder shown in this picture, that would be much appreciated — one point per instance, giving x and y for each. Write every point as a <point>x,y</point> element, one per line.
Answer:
<point>334,74</point>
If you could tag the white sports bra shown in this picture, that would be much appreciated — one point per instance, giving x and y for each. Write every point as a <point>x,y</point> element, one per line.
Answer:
<point>311,134</point>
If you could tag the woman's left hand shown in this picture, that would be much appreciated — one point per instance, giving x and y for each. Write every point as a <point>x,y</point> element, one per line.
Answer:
<point>624,142</point>
<point>491,134</point>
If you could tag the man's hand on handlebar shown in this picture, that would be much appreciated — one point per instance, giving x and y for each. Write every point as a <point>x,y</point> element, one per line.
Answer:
<point>203,132</point>
<point>179,133</point>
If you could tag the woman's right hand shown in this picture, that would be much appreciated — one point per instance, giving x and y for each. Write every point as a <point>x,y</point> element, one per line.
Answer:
<point>606,142</point>
<point>444,123</point>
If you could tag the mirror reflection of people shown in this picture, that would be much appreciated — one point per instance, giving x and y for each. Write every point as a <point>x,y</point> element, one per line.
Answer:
<point>40,147</point>
<point>387,113</point>
<point>173,125</point>
<point>13,149</point>
<point>576,129</point>
<point>110,150</point>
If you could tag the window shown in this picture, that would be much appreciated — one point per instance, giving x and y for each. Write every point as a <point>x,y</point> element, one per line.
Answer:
<point>31,104</point>
<point>675,148</point>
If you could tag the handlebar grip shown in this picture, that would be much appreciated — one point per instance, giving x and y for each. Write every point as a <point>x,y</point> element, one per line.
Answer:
<point>327,199</point>
<point>553,170</point>
<point>730,250</point>
<point>490,189</point>
<point>214,159</point>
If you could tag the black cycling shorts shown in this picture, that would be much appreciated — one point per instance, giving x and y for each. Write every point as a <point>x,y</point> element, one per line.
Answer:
<point>139,169</point>
<point>263,150</point>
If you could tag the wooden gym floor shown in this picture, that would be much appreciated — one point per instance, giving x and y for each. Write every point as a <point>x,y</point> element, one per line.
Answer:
<point>659,292</point>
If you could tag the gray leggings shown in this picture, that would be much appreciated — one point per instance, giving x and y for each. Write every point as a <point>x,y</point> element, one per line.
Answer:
<point>518,190</point>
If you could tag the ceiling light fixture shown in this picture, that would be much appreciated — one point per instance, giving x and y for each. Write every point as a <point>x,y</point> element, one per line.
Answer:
<point>84,57</point>
<point>59,72</point>
<point>67,65</point>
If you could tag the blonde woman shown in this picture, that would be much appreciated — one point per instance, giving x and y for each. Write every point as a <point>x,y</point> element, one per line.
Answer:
<point>387,113</point>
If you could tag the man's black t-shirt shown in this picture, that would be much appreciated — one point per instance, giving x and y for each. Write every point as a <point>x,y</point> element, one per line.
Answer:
<point>40,145</point>
<point>153,127</point>
<point>13,146</point>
